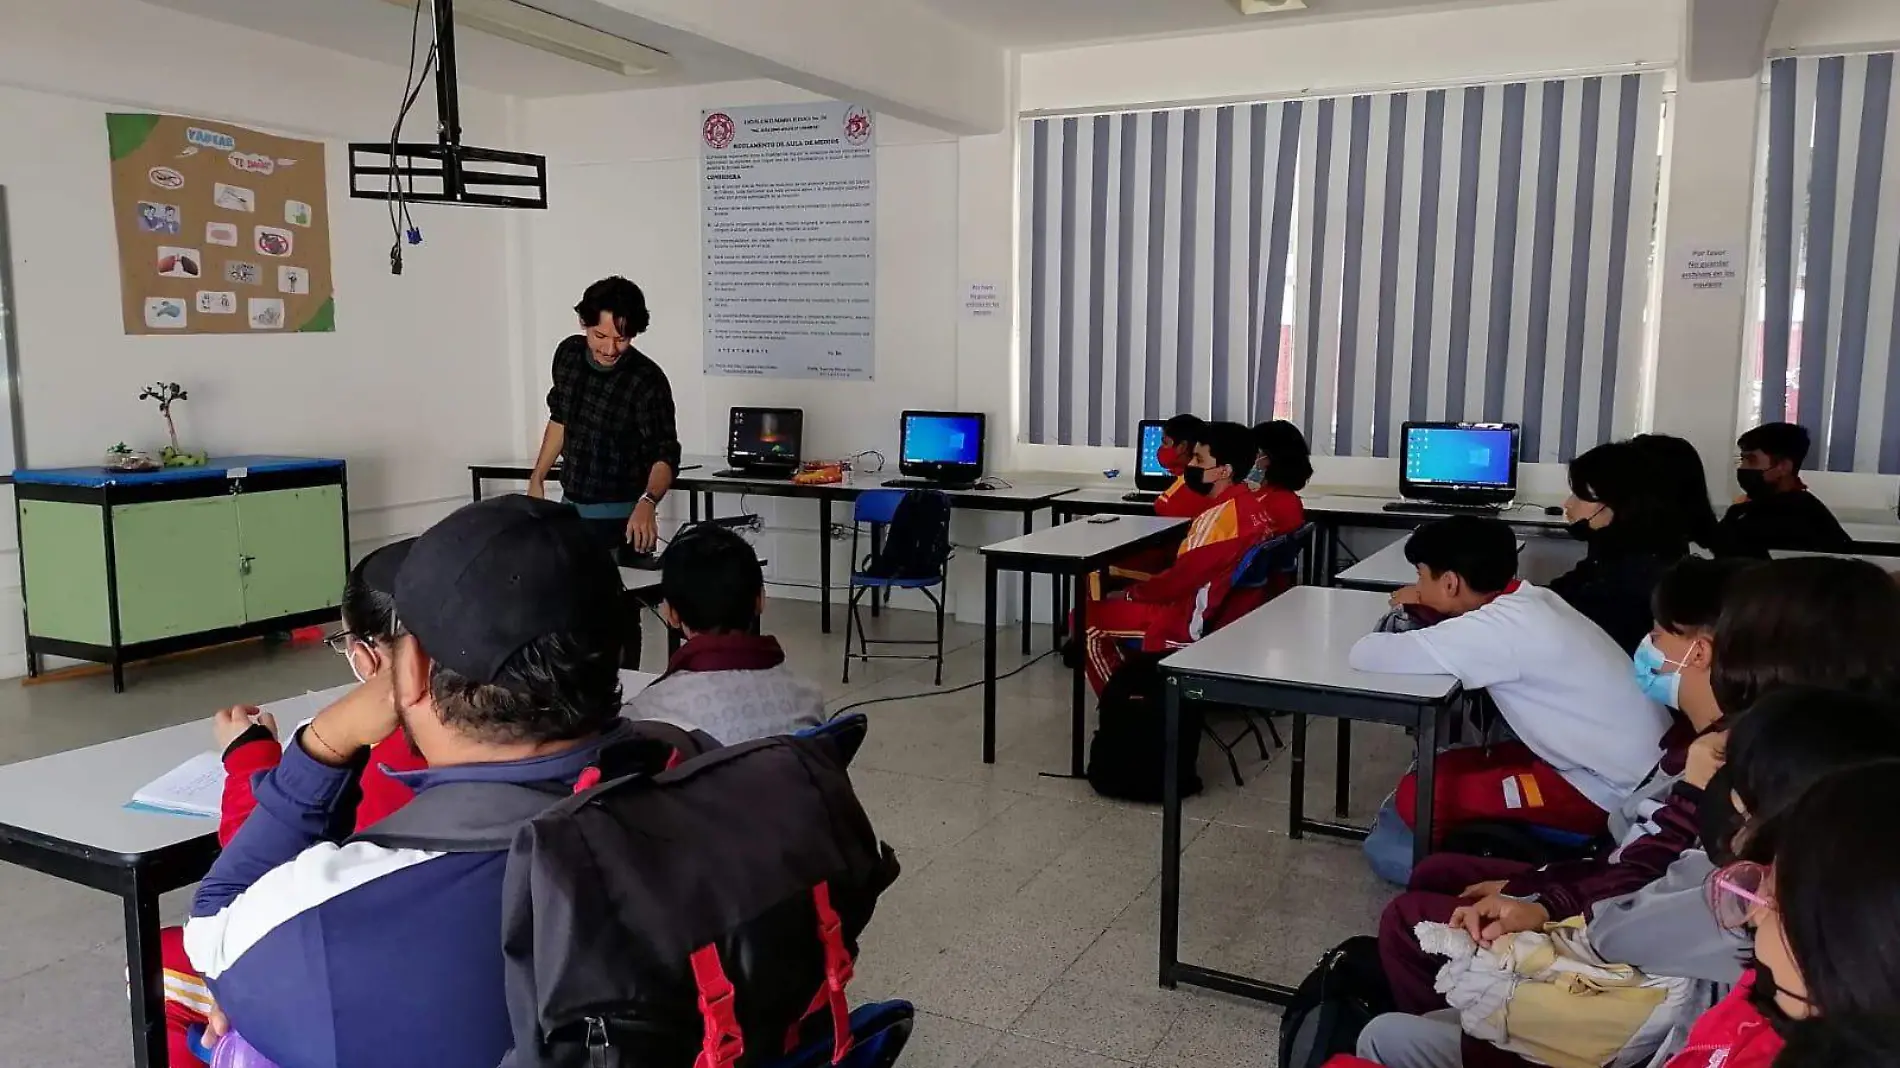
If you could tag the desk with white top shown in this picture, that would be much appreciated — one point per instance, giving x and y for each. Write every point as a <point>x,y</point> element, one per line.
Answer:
<point>1289,655</point>
<point>65,815</point>
<point>1071,550</point>
<point>1385,570</point>
<point>1883,561</point>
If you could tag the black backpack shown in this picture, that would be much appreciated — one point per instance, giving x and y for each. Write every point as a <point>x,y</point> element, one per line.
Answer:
<point>1334,1003</point>
<point>1126,756</point>
<point>697,905</point>
<point>917,543</point>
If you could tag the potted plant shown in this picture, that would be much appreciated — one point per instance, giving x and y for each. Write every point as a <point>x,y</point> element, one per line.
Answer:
<point>166,394</point>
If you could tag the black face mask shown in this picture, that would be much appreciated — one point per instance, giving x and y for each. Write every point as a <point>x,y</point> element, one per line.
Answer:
<point>1196,479</point>
<point>1716,818</point>
<point>1753,482</point>
<point>1761,998</point>
<point>1580,530</point>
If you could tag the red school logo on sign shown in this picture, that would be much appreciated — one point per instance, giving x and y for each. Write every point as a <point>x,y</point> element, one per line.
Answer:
<point>857,125</point>
<point>719,130</point>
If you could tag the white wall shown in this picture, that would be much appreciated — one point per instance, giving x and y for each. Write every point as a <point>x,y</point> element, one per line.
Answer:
<point>412,385</point>
<point>624,174</point>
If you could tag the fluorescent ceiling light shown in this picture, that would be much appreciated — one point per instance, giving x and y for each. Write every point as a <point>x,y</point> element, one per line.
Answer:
<point>554,34</point>
<point>1269,7</point>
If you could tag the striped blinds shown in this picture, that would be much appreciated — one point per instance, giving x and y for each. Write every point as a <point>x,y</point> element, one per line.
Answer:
<point>1830,319</point>
<point>1154,267</point>
<point>1478,252</point>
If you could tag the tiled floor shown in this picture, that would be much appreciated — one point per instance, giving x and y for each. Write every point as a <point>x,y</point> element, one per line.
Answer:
<point>1024,925</point>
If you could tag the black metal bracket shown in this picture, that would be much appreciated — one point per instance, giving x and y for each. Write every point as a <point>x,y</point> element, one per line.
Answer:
<point>447,172</point>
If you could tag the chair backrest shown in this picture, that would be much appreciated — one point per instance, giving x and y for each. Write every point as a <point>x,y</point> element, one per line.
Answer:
<point>877,506</point>
<point>846,731</point>
<point>1272,558</point>
<point>879,1032</point>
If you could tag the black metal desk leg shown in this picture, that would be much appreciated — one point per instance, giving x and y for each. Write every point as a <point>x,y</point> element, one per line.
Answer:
<point>1342,772</point>
<point>692,504</point>
<point>146,975</point>
<point>474,486</point>
<point>1296,803</point>
<point>1029,582</point>
<point>1170,831</point>
<point>824,561</point>
<point>1426,797</point>
<point>989,661</point>
<point>877,550</point>
<point>1078,686</point>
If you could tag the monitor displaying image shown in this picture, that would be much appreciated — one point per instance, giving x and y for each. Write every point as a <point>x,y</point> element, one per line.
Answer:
<point>936,438</point>
<point>1149,463</point>
<point>1460,456</point>
<point>769,436</point>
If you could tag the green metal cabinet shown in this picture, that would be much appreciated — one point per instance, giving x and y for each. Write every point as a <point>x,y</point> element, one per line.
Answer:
<point>118,568</point>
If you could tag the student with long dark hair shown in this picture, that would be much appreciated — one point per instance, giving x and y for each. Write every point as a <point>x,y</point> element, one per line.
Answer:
<point>1676,465</point>
<point>1820,889</point>
<point>1634,527</point>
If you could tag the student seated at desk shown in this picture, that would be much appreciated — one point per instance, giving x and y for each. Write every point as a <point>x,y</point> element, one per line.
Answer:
<point>367,956</point>
<point>727,679</point>
<point>249,741</point>
<point>1179,436</point>
<point>1777,511</point>
<point>1179,605</point>
<point>1587,733</point>
<point>1635,527</point>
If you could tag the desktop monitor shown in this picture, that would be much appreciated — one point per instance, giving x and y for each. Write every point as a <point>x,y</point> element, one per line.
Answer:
<point>1459,463</point>
<point>766,437</point>
<point>1150,475</point>
<point>944,446</point>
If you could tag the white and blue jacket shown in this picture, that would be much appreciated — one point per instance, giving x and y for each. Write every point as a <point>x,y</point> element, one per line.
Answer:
<point>326,956</point>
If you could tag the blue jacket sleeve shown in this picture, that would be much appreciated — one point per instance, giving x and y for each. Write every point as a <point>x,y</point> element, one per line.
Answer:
<point>294,804</point>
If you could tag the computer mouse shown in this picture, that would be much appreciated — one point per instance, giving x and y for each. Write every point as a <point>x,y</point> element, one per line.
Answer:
<point>1554,510</point>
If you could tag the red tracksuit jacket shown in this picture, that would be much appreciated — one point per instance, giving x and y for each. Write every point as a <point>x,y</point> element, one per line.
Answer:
<point>1195,586</point>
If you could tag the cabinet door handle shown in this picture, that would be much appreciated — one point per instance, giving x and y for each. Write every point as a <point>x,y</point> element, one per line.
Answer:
<point>244,564</point>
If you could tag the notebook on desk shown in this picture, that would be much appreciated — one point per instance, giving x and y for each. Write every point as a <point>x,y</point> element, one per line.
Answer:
<point>196,787</point>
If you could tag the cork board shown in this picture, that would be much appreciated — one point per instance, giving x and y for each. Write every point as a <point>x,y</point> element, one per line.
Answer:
<point>222,229</point>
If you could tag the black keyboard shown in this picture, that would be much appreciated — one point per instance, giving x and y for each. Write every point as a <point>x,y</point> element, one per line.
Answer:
<point>757,474</point>
<point>637,560</point>
<point>929,483</point>
<point>1437,508</point>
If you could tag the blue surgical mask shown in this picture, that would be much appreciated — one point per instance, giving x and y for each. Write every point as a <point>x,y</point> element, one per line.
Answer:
<point>1659,684</point>
<point>1256,477</point>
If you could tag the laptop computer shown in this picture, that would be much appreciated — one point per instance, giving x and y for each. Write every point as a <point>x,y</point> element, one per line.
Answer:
<point>940,450</point>
<point>1456,467</point>
<point>764,443</point>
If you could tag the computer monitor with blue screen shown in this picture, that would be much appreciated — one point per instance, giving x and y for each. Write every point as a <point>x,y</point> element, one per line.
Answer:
<point>1150,475</point>
<point>943,446</point>
<point>1459,463</point>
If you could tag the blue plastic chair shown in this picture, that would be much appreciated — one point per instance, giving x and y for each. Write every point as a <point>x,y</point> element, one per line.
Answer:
<point>877,508</point>
<point>879,1032</point>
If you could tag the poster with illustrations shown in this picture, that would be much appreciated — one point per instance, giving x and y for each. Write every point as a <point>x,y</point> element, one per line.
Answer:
<point>222,230</point>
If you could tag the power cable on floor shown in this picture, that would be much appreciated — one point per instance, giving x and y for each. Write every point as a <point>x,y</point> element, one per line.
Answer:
<point>1017,670</point>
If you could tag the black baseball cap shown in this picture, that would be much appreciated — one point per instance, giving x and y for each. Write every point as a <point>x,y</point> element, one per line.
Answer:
<point>498,574</point>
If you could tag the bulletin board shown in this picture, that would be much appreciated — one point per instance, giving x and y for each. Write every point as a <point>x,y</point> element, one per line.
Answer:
<point>222,229</point>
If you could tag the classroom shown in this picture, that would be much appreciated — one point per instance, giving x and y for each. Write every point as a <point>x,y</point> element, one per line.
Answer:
<point>949,533</point>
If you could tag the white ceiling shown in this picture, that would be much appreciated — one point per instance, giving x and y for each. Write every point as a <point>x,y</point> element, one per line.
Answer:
<point>1034,24</point>
<point>376,30</point>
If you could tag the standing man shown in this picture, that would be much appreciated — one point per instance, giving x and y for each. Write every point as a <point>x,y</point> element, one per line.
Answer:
<point>611,424</point>
<point>610,420</point>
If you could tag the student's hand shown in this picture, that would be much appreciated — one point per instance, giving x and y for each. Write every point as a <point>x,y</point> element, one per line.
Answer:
<point>228,723</point>
<point>217,1024</point>
<point>1706,757</point>
<point>363,717</point>
<point>1404,595</point>
<point>538,489</point>
<point>643,527</point>
<point>1480,891</point>
<point>1496,916</point>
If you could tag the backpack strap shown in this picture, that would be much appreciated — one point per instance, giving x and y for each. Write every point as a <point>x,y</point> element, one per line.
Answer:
<point>838,972</point>
<point>463,817</point>
<point>724,1043</point>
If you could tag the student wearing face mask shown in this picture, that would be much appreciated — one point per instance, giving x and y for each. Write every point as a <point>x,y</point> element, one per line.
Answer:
<point>1776,510</point>
<point>1176,606</point>
<point>1634,526</point>
<point>1820,890</point>
<point>1179,436</point>
<point>1806,622</point>
<point>249,740</point>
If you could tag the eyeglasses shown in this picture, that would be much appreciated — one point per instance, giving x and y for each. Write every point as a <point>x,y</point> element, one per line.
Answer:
<point>344,643</point>
<point>1738,892</point>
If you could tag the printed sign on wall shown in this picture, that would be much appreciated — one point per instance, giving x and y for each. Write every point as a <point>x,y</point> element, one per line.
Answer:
<point>788,201</point>
<point>200,208</point>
